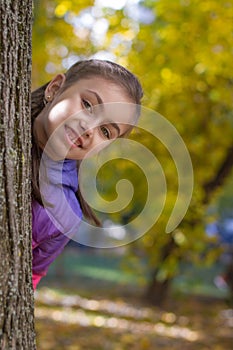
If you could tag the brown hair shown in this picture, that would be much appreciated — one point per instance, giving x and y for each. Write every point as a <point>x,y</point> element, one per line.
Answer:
<point>82,70</point>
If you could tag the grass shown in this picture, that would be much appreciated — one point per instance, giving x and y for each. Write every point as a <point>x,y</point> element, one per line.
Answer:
<point>87,266</point>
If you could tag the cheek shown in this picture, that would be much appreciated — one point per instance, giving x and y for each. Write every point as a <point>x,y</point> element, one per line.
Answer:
<point>61,111</point>
<point>125,129</point>
<point>98,145</point>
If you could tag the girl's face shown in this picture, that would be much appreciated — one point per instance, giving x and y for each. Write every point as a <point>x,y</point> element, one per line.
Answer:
<point>80,118</point>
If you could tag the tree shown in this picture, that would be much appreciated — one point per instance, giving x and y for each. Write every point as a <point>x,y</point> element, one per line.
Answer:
<point>53,21</point>
<point>187,49</point>
<point>16,294</point>
<point>183,59</point>
<point>181,52</point>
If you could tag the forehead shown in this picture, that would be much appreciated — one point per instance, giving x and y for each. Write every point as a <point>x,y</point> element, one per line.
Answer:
<point>112,91</point>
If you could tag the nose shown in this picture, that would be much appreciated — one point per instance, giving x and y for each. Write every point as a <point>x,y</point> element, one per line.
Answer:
<point>87,132</point>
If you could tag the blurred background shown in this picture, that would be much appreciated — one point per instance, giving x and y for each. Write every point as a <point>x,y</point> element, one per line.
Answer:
<point>163,290</point>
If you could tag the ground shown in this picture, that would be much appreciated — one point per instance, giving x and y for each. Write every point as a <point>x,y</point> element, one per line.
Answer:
<point>82,313</point>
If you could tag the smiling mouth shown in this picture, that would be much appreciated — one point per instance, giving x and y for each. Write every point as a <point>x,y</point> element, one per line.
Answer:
<point>73,138</point>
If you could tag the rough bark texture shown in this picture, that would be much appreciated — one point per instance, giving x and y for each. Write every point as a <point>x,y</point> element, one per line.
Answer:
<point>16,294</point>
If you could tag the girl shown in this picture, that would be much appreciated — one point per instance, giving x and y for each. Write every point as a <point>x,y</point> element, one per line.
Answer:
<point>72,115</point>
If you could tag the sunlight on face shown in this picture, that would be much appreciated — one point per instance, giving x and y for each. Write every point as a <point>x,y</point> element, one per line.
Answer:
<point>83,117</point>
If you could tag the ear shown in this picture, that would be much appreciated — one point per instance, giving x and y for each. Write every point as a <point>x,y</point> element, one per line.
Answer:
<point>54,86</point>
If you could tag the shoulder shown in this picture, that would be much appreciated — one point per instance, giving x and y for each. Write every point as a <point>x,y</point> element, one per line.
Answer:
<point>62,216</point>
<point>61,211</point>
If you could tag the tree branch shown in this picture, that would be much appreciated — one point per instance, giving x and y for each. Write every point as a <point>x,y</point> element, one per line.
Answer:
<point>221,175</point>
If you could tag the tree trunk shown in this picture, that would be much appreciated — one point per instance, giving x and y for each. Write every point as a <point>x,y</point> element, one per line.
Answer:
<point>229,280</point>
<point>157,291</point>
<point>16,294</point>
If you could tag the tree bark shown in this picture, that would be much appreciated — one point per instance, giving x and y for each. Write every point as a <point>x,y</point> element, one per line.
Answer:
<point>16,294</point>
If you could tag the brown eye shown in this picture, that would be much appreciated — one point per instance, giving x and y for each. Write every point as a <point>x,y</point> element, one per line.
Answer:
<point>105,132</point>
<point>87,105</point>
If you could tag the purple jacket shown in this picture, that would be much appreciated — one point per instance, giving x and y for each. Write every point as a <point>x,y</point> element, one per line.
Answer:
<point>54,224</point>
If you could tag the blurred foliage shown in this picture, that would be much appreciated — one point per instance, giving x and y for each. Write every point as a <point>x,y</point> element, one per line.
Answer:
<point>184,58</point>
<point>54,37</point>
<point>182,52</point>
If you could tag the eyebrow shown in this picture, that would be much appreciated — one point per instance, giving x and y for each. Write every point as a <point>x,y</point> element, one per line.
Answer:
<point>116,127</point>
<point>99,99</point>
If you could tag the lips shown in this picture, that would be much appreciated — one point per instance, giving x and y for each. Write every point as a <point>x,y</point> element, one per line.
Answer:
<point>73,138</point>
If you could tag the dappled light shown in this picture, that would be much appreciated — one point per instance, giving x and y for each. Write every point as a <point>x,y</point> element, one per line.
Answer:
<point>69,316</point>
<point>182,53</point>
<point>125,322</point>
